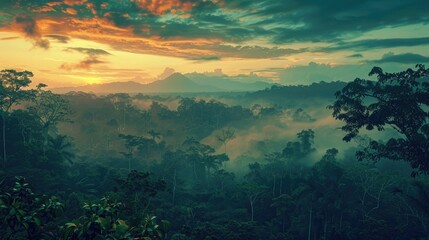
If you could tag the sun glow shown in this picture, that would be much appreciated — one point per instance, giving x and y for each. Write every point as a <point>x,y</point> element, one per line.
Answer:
<point>92,80</point>
<point>86,79</point>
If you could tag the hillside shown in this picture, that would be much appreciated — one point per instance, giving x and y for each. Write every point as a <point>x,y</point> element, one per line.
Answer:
<point>175,83</point>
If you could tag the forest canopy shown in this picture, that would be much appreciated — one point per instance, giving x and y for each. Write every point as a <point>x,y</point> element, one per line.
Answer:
<point>396,100</point>
<point>263,165</point>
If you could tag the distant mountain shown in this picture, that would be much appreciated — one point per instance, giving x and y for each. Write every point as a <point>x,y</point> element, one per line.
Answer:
<point>113,87</point>
<point>228,83</point>
<point>289,95</point>
<point>175,83</point>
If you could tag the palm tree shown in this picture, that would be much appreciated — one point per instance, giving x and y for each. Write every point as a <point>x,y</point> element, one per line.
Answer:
<point>61,148</point>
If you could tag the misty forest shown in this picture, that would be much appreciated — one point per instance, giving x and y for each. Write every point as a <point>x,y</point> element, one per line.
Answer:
<point>330,160</point>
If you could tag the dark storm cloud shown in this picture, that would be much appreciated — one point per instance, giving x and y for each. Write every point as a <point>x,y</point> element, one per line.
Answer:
<point>89,51</point>
<point>29,27</point>
<point>332,20</point>
<point>405,58</point>
<point>92,58</point>
<point>59,38</point>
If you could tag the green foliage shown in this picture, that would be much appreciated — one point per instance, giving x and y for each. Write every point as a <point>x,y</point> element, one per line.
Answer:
<point>140,182</point>
<point>24,136</point>
<point>301,148</point>
<point>101,221</point>
<point>202,117</point>
<point>50,108</point>
<point>150,229</point>
<point>137,191</point>
<point>12,84</point>
<point>288,195</point>
<point>229,230</point>
<point>397,100</point>
<point>61,149</point>
<point>12,88</point>
<point>23,214</point>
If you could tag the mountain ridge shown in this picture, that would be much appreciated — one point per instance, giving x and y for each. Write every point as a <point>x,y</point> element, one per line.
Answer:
<point>175,83</point>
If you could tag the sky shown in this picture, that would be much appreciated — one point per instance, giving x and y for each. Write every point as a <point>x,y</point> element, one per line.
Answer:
<point>78,42</point>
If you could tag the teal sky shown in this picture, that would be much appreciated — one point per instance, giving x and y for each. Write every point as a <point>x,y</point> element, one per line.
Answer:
<point>72,42</point>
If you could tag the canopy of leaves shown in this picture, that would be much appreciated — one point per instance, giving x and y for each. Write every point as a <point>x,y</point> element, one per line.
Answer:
<point>397,100</point>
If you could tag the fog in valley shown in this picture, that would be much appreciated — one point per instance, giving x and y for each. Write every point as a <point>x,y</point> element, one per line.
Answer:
<point>305,161</point>
<point>214,120</point>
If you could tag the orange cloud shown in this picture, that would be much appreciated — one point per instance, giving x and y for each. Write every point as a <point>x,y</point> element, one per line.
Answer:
<point>71,11</point>
<point>104,31</point>
<point>44,9</point>
<point>162,6</point>
<point>74,2</point>
<point>49,7</point>
<point>52,4</point>
<point>91,8</point>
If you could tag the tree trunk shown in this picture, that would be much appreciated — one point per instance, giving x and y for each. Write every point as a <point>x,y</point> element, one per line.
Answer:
<point>251,208</point>
<point>174,185</point>
<point>309,223</point>
<point>325,228</point>
<point>284,224</point>
<point>45,140</point>
<point>4,140</point>
<point>274,186</point>
<point>195,171</point>
<point>123,123</point>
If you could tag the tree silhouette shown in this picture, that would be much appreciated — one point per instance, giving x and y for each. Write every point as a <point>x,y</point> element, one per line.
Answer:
<point>225,136</point>
<point>131,143</point>
<point>301,148</point>
<point>49,109</point>
<point>203,157</point>
<point>121,102</point>
<point>12,84</point>
<point>61,148</point>
<point>396,100</point>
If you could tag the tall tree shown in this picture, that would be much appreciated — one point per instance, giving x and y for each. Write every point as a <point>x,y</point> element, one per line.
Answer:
<point>203,157</point>
<point>131,143</point>
<point>121,102</point>
<point>396,100</point>
<point>12,92</point>
<point>49,109</point>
